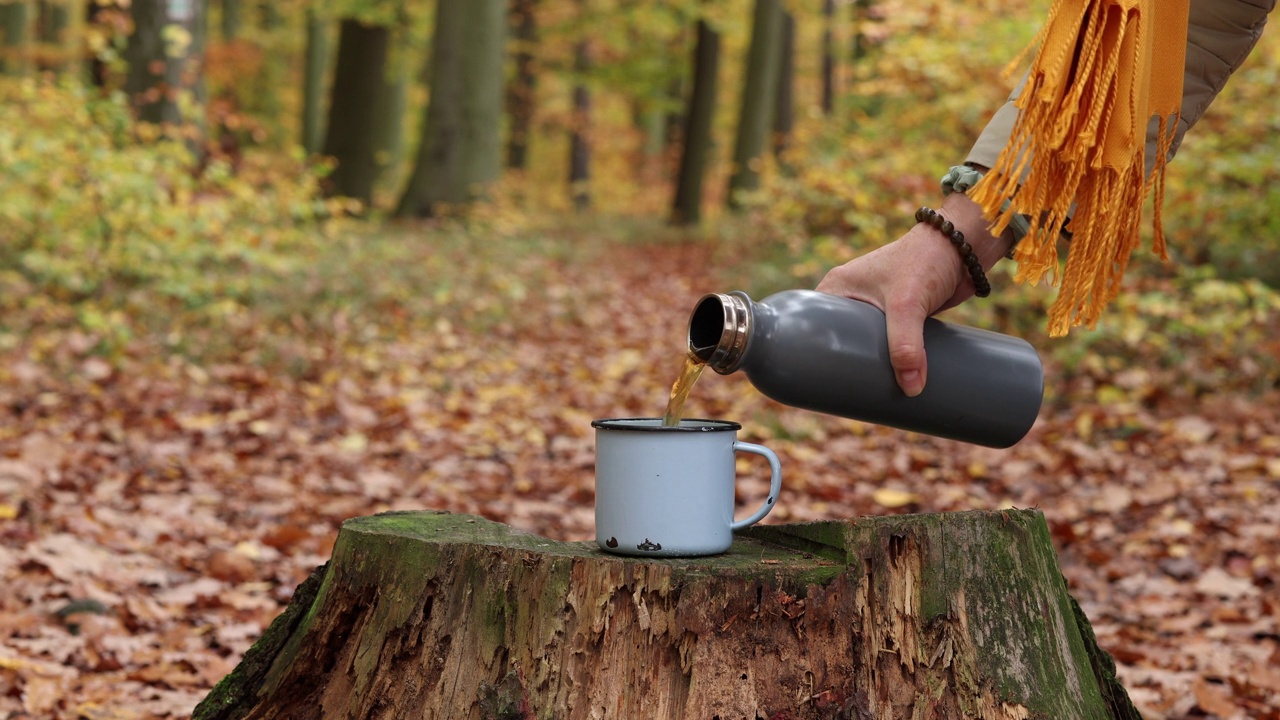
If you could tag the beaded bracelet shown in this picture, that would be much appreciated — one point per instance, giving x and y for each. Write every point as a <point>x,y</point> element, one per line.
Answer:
<point>981,287</point>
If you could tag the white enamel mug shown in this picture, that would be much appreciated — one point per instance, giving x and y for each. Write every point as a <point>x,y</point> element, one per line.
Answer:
<point>669,491</point>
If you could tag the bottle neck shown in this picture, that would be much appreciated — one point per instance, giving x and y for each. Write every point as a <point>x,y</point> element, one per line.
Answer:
<point>719,329</point>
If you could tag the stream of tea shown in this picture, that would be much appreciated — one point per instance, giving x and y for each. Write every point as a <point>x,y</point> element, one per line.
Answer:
<point>689,373</point>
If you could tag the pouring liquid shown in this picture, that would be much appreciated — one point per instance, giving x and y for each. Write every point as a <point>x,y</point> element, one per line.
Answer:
<point>689,373</point>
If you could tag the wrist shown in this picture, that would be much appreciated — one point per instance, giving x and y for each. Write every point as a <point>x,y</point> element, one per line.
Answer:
<point>974,271</point>
<point>967,217</point>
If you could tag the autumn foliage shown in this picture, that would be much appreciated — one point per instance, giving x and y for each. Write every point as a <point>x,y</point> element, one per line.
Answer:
<point>206,365</point>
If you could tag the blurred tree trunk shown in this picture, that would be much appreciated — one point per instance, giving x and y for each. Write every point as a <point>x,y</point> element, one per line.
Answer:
<point>95,67</point>
<point>862,11</point>
<point>460,151</point>
<point>389,135</point>
<point>828,56</point>
<point>269,16</point>
<point>315,70</point>
<point>15,37</point>
<point>687,208</point>
<point>165,57</point>
<point>231,19</point>
<point>59,35</point>
<point>353,104</point>
<point>759,90</point>
<point>580,126</point>
<point>784,116</point>
<point>521,91</point>
<point>675,120</point>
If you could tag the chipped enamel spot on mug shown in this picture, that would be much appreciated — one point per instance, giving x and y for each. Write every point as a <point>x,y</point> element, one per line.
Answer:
<point>612,542</point>
<point>649,546</point>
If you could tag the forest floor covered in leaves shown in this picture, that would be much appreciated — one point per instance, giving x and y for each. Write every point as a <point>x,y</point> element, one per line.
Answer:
<point>157,510</point>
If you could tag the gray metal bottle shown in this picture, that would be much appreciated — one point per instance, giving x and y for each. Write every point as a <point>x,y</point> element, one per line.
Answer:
<point>831,354</point>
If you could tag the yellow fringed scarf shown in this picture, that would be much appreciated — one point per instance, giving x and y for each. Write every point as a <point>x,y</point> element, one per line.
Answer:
<point>1103,70</point>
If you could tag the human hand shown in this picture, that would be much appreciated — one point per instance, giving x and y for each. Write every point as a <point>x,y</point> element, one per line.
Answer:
<point>916,276</point>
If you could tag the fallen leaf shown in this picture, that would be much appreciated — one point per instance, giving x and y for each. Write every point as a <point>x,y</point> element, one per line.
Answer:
<point>41,694</point>
<point>1213,699</point>
<point>892,498</point>
<point>1218,582</point>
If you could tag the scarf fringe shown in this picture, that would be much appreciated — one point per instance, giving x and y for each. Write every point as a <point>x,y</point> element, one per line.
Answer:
<point>1080,139</point>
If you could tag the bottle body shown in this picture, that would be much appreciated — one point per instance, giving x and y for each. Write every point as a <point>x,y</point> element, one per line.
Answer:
<point>830,354</point>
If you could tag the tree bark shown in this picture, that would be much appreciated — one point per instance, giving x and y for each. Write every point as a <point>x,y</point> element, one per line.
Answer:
<point>60,36</point>
<point>828,56</point>
<point>523,86</point>
<point>353,104</point>
<point>389,130</point>
<point>15,38</point>
<point>460,150</point>
<point>862,16</point>
<point>165,55</point>
<point>580,126</point>
<point>432,615</point>
<point>315,70</point>
<point>784,114</point>
<point>687,206</point>
<point>758,93</point>
<point>230,20</point>
<point>95,65</point>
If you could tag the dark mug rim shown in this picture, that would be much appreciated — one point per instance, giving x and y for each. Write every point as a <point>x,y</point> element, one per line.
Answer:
<point>657,426</point>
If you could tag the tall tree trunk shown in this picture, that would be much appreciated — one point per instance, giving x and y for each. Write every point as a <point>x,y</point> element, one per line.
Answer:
<point>315,71</point>
<point>828,56</point>
<point>521,90</point>
<point>861,10</point>
<point>962,616</point>
<point>687,207</point>
<point>784,115</point>
<point>675,119</point>
<point>353,105</point>
<point>165,55</point>
<point>95,66</point>
<point>580,126</point>
<point>16,21</point>
<point>758,93</point>
<point>231,19</point>
<point>389,135</point>
<point>58,35</point>
<point>460,152</point>
<point>269,15</point>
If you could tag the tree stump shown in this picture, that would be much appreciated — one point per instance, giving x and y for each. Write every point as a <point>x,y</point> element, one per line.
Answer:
<point>435,615</point>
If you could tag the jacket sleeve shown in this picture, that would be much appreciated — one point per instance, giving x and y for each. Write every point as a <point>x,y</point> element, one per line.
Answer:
<point>1220,35</point>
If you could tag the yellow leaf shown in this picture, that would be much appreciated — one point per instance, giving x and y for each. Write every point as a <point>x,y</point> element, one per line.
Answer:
<point>890,498</point>
<point>1273,468</point>
<point>1084,425</point>
<point>355,443</point>
<point>8,512</point>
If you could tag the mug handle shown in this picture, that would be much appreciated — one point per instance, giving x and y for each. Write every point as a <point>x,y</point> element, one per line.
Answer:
<point>775,482</point>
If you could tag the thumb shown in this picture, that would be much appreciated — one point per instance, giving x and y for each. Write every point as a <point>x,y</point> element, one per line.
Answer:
<point>905,329</point>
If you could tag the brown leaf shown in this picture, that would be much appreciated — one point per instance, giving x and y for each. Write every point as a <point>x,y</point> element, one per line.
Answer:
<point>1214,699</point>
<point>41,694</point>
<point>231,566</point>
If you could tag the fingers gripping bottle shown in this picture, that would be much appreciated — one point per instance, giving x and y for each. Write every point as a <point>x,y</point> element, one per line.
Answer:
<point>831,354</point>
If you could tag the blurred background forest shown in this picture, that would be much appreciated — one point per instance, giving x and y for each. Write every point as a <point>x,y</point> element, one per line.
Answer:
<point>271,134</point>
<point>265,266</point>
